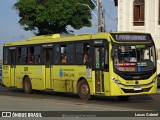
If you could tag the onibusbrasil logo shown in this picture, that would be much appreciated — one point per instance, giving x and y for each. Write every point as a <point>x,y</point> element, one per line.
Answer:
<point>21,114</point>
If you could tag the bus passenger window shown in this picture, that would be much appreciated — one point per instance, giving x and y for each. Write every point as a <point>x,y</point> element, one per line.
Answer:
<point>31,55</point>
<point>5,56</point>
<point>86,57</point>
<point>79,53</point>
<point>57,54</point>
<point>70,48</point>
<point>24,57</point>
<point>82,53</point>
<point>19,55</point>
<point>34,55</point>
<point>37,58</point>
<point>63,54</point>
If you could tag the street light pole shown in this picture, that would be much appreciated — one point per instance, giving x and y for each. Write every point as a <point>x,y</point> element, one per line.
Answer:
<point>94,4</point>
<point>89,8</point>
<point>101,23</point>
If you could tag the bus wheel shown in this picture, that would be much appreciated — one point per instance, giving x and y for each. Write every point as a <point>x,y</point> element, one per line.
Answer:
<point>123,98</point>
<point>84,90</point>
<point>27,86</point>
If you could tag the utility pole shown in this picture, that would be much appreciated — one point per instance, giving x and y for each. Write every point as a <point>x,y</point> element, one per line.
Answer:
<point>99,15</point>
<point>103,21</point>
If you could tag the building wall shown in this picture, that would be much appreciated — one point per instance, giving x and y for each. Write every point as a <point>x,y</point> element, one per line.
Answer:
<point>125,21</point>
<point>125,17</point>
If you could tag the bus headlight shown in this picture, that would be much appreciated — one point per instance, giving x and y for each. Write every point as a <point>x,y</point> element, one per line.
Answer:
<point>154,80</point>
<point>115,80</point>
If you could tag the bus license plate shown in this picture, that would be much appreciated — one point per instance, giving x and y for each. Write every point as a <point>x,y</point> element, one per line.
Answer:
<point>137,88</point>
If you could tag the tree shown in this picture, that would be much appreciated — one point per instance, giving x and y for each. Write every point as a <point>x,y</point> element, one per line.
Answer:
<point>53,16</point>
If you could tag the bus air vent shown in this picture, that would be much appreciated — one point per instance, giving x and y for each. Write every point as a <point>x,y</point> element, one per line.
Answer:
<point>51,36</point>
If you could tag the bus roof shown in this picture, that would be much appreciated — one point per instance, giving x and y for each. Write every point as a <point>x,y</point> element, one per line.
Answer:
<point>58,38</point>
<point>66,37</point>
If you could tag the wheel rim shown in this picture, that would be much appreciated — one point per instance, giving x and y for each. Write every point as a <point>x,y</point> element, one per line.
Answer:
<point>84,89</point>
<point>26,86</point>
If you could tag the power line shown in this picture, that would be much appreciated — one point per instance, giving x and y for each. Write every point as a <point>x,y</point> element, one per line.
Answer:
<point>101,23</point>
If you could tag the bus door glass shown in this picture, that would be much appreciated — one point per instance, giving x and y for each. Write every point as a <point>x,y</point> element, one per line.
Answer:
<point>12,55</point>
<point>101,67</point>
<point>48,65</point>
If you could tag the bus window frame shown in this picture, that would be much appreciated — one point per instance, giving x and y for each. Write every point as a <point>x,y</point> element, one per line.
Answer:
<point>68,53</point>
<point>89,42</point>
<point>55,54</point>
<point>27,55</point>
<point>59,44</point>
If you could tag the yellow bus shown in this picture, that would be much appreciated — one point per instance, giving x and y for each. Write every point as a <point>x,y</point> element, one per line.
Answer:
<point>118,64</point>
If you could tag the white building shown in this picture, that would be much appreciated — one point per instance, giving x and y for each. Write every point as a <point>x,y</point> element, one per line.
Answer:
<point>140,16</point>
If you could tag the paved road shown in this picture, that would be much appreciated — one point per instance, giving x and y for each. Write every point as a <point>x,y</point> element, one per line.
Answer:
<point>15,99</point>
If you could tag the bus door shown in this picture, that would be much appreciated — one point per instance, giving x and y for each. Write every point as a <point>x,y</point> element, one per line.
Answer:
<point>100,65</point>
<point>47,53</point>
<point>12,53</point>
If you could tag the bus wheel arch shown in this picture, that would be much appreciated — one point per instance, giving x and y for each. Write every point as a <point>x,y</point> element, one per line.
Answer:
<point>27,86</point>
<point>80,79</point>
<point>83,89</point>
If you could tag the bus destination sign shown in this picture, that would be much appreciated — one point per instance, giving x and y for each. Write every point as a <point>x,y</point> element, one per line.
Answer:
<point>132,37</point>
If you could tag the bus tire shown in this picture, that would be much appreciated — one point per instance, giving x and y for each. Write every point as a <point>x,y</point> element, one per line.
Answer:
<point>84,90</point>
<point>123,98</point>
<point>27,86</point>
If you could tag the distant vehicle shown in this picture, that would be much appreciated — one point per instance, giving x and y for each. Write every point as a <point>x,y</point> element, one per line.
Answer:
<point>158,80</point>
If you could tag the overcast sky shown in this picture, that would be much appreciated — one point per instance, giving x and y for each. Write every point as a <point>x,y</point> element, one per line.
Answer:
<point>10,30</point>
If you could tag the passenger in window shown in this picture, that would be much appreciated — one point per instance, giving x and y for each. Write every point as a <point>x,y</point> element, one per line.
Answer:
<point>64,59</point>
<point>38,60</point>
<point>85,58</point>
<point>126,58</point>
<point>30,57</point>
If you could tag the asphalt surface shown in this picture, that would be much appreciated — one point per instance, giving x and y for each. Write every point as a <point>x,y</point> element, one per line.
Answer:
<point>16,99</point>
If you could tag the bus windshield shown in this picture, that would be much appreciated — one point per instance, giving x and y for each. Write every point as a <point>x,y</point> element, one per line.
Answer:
<point>134,58</point>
